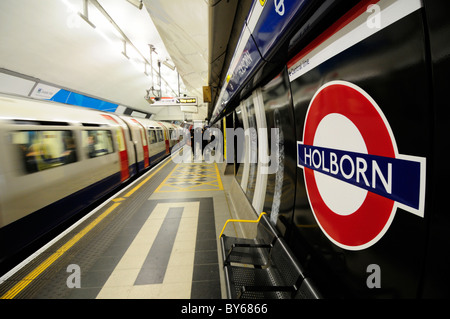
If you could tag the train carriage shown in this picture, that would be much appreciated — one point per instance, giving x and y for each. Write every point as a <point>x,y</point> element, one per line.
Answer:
<point>58,160</point>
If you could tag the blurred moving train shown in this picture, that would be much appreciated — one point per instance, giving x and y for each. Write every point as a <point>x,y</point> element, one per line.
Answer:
<point>57,160</point>
<point>358,91</point>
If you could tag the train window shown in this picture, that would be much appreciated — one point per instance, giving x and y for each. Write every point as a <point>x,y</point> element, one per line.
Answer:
<point>33,122</point>
<point>152,136</point>
<point>160,135</point>
<point>97,143</point>
<point>41,150</point>
<point>91,125</point>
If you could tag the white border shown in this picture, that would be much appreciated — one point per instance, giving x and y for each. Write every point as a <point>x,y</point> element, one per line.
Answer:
<point>353,33</point>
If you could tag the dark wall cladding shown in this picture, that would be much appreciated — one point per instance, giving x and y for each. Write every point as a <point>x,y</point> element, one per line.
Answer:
<point>436,282</point>
<point>403,69</point>
<point>391,67</point>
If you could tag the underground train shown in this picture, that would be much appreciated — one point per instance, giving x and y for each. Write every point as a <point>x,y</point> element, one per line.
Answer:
<point>57,160</point>
<point>357,92</point>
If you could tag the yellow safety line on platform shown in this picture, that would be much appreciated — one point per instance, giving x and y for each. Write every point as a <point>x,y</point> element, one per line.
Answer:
<point>50,260</point>
<point>146,180</point>
<point>167,177</point>
<point>218,177</point>
<point>240,221</point>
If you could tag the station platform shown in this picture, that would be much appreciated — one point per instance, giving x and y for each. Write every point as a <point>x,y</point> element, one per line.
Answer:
<point>157,238</point>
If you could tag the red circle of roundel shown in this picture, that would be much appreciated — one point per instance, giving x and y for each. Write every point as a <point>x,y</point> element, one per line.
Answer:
<point>368,223</point>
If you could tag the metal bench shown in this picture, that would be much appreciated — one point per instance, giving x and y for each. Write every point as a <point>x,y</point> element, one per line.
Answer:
<point>263,267</point>
<point>252,251</point>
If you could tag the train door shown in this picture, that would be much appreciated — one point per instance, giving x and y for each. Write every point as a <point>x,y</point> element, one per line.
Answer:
<point>166,137</point>
<point>123,153</point>
<point>144,143</point>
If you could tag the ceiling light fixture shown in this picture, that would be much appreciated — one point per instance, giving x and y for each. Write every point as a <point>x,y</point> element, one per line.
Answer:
<point>128,52</point>
<point>166,63</point>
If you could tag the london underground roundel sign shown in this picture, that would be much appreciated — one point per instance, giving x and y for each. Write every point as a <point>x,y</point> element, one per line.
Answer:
<point>355,177</point>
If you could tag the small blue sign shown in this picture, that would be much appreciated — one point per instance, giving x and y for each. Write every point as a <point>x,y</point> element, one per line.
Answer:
<point>275,19</point>
<point>67,97</point>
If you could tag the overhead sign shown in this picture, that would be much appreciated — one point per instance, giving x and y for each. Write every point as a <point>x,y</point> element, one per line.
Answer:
<point>174,101</point>
<point>207,94</point>
<point>51,93</point>
<point>355,177</point>
<point>186,100</point>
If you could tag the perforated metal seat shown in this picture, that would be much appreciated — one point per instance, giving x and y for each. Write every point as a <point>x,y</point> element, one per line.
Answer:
<point>251,283</point>
<point>283,278</point>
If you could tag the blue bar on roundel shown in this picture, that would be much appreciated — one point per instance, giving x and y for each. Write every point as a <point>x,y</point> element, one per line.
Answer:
<point>396,179</point>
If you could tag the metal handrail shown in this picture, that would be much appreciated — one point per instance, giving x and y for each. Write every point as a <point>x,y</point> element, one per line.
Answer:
<point>240,221</point>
